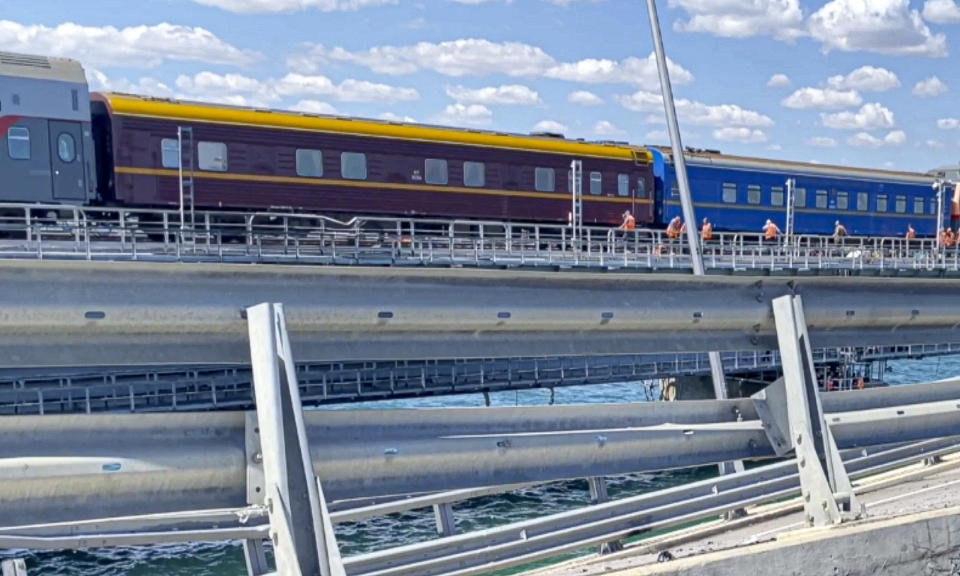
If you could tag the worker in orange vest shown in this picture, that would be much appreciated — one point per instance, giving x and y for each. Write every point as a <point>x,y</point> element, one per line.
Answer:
<point>947,238</point>
<point>770,230</point>
<point>673,228</point>
<point>629,222</point>
<point>706,230</point>
<point>838,231</point>
<point>911,233</point>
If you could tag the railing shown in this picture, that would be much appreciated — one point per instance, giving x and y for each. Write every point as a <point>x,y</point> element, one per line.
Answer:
<point>58,232</point>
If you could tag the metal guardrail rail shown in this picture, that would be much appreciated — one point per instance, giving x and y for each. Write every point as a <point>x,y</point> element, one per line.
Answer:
<point>101,314</point>
<point>157,389</point>
<point>79,233</point>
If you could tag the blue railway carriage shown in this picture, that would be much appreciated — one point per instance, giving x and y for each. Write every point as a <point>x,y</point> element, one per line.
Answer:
<point>46,145</point>
<point>740,194</point>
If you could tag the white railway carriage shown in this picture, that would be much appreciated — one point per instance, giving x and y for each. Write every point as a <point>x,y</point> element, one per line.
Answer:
<point>46,146</point>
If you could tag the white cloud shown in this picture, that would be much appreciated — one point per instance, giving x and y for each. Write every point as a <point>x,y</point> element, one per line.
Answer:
<point>606,128</point>
<point>551,126</point>
<point>632,70</point>
<point>775,147</point>
<point>465,115</point>
<point>390,116</point>
<point>948,123</point>
<point>506,94</point>
<point>872,116</point>
<point>244,90</point>
<point>884,26</point>
<point>276,6</point>
<point>782,19</point>
<point>865,140</point>
<point>133,47</point>
<point>146,86</point>
<point>779,81</point>
<point>929,87</point>
<point>584,98</point>
<point>349,90</point>
<point>935,144</point>
<point>821,142</point>
<point>313,107</point>
<point>744,135</point>
<point>866,79</point>
<point>823,98</point>
<point>479,57</point>
<point>464,57</point>
<point>721,115</point>
<point>941,11</point>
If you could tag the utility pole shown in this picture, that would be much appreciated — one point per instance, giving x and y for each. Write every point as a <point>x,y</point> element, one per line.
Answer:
<point>686,199</point>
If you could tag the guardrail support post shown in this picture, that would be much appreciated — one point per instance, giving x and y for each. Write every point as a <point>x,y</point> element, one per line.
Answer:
<point>255,557</point>
<point>443,513</point>
<point>300,528</point>
<point>792,414</point>
<point>15,567</point>
<point>598,495</point>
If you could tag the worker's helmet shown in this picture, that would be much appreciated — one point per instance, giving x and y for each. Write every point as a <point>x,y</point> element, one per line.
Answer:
<point>837,223</point>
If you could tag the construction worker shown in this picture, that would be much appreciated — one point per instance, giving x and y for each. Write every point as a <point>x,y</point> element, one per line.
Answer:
<point>706,230</point>
<point>947,239</point>
<point>674,227</point>
<point>770,230</point>
<point>629,222</point>
<point>911,233</point>
<point>838,232</point>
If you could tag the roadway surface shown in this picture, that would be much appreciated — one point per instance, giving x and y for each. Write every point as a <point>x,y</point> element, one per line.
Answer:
<point>917,489</point>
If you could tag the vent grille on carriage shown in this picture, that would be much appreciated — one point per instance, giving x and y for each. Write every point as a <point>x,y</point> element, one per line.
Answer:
<point>24,60</point>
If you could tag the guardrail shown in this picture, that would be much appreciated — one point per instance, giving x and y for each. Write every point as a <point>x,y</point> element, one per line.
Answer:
<point>283,237</point>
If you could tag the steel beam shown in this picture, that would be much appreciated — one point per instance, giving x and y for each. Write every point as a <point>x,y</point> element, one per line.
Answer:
<point>77,314</point>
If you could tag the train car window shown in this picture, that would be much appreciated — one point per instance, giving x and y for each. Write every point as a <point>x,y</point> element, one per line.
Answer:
<point>821,198</point>
<point>843,201</point>
<point>776,195</point>
<point>474,174</point>
<point>800,198</point>
<point>933,206</point>
<point>353,165</point>
<point>642,187</point>
<point>212,156</point>
<point>66,148</point>
<point>753,193</point>
<point>75,99</point>
<point>863,201</point>
<point>310,163</point>
<point>623,185</point>
<point>901,205</point>
<point>596,183</point>
<point>918,205</point>
<point>881,202</point>
<point>170,153</point>
<point>545,180</point>
<point>435,171</point>
<point>18,143</point>
<point>729,192</point>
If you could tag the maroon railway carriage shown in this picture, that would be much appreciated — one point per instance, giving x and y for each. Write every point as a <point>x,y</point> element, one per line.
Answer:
<point>248,159</point>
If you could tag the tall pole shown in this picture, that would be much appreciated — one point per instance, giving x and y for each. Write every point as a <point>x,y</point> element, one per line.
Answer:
<point>679,163</point>
<point>686,200</point>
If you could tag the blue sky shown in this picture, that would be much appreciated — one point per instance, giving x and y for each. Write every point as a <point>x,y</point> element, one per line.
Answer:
<point>860,82</point>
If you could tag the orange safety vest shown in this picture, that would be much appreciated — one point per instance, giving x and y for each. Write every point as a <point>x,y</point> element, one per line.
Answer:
<point>673,231</point>
<point>911,234</point>
<point>770,232</point>
<point>630,223</point>
<point>706,232</point>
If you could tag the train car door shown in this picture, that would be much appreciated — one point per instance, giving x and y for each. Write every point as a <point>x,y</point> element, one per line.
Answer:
<point>66,160</point>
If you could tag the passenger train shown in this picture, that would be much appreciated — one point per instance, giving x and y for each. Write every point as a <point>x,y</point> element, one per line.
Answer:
<point>61,144</point>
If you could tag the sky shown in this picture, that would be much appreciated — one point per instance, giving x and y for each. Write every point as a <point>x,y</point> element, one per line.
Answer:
<point>856,82</point>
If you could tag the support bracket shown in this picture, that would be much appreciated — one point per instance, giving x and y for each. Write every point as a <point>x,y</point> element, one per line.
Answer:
<point>300,527</point>
<point>792,417</point>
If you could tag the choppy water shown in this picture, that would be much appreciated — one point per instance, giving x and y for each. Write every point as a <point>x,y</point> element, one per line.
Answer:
<point>226,559</point>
